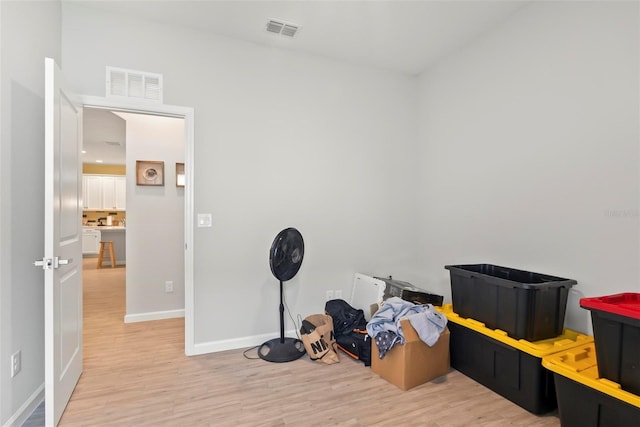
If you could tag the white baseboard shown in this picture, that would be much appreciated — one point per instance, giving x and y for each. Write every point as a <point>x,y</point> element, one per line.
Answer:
<point>153,315</point>
<point>27,408</point>
<point>235,343</point>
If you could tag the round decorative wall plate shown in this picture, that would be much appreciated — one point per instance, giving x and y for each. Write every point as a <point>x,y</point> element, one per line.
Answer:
<point>150,174</point>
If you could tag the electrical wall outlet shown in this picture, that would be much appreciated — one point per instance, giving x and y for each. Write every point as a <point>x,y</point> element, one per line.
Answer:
<point>168,286</point>
<point>16,363</point>
<point>329,295</point>
<point>338,294</point>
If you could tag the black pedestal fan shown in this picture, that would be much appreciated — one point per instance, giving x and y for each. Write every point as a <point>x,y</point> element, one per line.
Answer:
<point>285,258</point>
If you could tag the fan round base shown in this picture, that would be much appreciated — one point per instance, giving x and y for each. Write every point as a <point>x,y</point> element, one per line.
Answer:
<point>277,351</point>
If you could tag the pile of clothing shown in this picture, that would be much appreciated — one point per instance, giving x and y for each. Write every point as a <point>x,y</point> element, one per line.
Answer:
<point>386,330</point>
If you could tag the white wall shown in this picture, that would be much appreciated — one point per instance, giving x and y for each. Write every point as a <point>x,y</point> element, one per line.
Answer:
<point>281,139</point>
<point>529,150</point>
<point>29,32</point>
<point>526,142</point>
<point>155,217</point>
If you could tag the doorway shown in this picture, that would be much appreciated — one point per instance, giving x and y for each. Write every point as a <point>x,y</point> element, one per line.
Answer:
<point>117,148</point>
<point>151,291</point>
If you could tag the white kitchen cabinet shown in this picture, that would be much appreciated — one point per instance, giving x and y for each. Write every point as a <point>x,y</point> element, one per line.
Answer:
<point>108,192</point>
<point>104,192</point>
<point>92,191</point>
<point>121,192</point>
<point>90,241</point>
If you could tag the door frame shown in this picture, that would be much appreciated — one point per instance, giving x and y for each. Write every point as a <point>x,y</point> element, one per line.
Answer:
<point>186,113</point>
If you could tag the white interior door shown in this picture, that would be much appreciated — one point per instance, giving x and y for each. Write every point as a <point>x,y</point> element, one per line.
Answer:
<point>62,262</point>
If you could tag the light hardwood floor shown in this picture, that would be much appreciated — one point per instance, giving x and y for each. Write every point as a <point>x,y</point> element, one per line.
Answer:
<point>137,375</point>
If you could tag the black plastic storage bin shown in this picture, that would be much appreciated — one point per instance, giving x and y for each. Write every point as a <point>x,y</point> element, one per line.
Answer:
<point>509,372</point>
<point>616,332</point>
<point>585,399</point>
<point>526,305</point>
<point>510,367</point>
<point>581,406</point>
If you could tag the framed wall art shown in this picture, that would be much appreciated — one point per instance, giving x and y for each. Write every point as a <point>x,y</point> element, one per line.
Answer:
<point>149,172</point>
<point>180,175</point>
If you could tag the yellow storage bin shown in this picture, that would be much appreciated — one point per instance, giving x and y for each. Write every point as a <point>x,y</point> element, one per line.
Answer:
<point>541,348</point>
<point>584,399</point>
<point>511,367</point>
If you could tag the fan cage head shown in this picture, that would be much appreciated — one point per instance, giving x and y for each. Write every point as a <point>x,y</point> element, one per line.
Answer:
<point>286,254</point>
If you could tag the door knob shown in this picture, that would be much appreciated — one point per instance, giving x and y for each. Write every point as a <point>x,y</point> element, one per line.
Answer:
<point>49,264</point>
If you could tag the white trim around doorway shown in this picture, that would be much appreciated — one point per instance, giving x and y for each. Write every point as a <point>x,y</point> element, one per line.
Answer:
<point>187,113</point>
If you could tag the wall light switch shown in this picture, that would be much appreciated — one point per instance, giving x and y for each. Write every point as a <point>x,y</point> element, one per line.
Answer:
<point>204,220</point>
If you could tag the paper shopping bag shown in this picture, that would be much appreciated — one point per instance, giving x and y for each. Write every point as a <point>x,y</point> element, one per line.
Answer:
<point>318,338</point>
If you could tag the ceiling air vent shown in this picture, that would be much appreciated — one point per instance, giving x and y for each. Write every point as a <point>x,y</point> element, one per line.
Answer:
<point>138,85</point>
<point>283,28</point>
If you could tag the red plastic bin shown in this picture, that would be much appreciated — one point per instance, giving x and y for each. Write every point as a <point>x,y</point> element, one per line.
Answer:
<point>616,333</point>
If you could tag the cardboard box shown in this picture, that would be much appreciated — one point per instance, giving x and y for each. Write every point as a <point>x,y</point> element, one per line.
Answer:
<point>414,362</point>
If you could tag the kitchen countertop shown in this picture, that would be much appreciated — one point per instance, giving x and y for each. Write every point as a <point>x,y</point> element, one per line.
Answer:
<point>104,227</point>
<point>116,234</point>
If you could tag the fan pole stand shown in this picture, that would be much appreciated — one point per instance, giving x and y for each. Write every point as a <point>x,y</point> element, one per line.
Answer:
<point>283,349</point>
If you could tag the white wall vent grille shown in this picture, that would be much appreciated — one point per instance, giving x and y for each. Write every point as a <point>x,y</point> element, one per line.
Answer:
<point>283,28</point>
<point>274,26</point>
<point>133,84</point>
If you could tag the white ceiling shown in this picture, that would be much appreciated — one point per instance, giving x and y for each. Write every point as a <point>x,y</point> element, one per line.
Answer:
<point>103,137</point>
<point>405,36</point>
<point>397,35</point>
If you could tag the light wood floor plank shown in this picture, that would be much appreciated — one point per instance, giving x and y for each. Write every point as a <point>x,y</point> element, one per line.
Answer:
<point>137,375</point>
